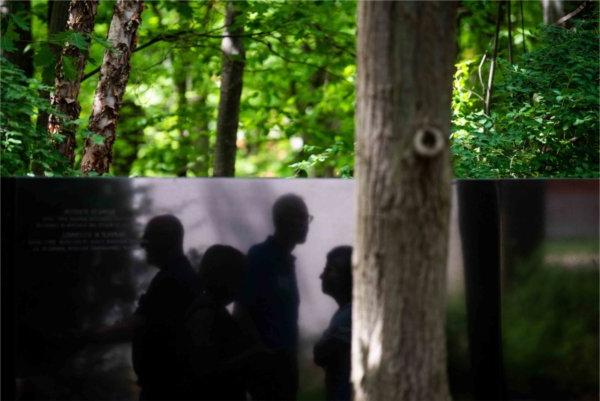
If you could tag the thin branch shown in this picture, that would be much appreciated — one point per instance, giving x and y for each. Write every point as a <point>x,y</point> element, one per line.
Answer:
<point>573,13</point>
<point>284,58</point>
<point>488,95</point>
<point>175,35</point>
<point>479,71</point>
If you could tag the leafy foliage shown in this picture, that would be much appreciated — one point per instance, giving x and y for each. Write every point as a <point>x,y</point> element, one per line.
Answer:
<point>297,106</point>
<point>544,119</point>
<point>23,146</point>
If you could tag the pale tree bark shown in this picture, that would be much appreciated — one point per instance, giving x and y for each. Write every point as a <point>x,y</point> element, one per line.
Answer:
<point>231,91</point>
<point>553,10</point>
<point>66,88</point>
<point>406,54</point>
<point>114,74</point>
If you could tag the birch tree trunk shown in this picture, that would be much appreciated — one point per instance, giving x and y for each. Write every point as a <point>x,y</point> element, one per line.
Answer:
<point>114,74</point>
<point>231,92</point>
<point>66,85</point>
<point>405,64</point>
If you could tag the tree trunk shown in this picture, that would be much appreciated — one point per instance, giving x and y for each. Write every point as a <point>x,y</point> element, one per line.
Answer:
<point>553,10</point>
<point>231,92</point>
<point>490,84</point>
<point>19,57</point>
<point>58,14</point>
<point>114,74</point>
<point>66,85</point>
<point>181,79</point>
<point>406,54</point>
<point>201,161</point>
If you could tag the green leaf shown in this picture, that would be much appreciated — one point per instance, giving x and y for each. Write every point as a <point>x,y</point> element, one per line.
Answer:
<point>20,21</point>
<point>69,67</point>
<point>97,139</point>
<point>78,40</point>
<point>8,39</point>
<point>44,57</point>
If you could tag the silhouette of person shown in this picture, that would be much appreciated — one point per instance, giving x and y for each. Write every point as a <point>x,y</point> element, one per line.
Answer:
<point>214,348</point>
<point>270,300</point>
<point>332,351</point>
<point>161,310</point>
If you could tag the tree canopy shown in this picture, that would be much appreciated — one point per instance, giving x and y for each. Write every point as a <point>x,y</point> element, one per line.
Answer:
<point>296,114</point>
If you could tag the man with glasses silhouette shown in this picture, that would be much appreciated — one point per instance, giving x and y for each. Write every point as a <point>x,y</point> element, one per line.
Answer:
<point>270,300</point>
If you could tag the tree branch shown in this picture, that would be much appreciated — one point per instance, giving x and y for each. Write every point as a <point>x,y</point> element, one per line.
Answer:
<point>573,13</point>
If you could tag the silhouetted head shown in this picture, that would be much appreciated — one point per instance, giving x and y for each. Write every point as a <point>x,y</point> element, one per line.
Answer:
<point>162,240</point>
<point>291,219</point>
<point>336,279</point>
<point>221,272</point>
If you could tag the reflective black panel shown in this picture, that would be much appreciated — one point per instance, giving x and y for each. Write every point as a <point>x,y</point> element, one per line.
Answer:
<point>92,266</point>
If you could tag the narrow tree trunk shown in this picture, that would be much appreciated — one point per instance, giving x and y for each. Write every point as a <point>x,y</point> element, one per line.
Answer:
<point>58,14</point>
<point>180,79</point>
<point>201,135</point>
<point>231,92</point>
<point>114,75</point>
<point>19,57</point>
<point>510,40</point>
<point>523,27</point>
<point>553,10</point>
<point>405,64</point>
<point>66,86</point>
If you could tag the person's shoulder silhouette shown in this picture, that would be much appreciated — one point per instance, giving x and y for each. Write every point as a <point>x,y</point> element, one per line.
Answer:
<point>162,308</point>
<point>215,349</point>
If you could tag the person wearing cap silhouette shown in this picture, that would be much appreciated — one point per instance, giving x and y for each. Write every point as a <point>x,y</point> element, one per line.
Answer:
<point>270,300</point>
<point>161,310</point>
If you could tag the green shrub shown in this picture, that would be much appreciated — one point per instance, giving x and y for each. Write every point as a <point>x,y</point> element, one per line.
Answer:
<point>544,118</point>
<point>23,146</point>
<point>550,333</point>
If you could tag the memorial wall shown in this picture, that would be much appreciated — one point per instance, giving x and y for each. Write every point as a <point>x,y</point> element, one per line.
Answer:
<point>74,265</point>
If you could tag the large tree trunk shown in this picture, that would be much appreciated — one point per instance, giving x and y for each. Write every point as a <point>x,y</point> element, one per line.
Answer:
<point>20,57</point>
<point>66,86</point>
<point>58,14</point>
<point>231,92</point>
<point>405,63</point>
<point>114,75</point>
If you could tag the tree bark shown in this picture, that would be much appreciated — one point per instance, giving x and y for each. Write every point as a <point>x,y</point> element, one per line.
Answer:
<point>553,10</point>
<point>490,84</point>
<point>114,75</point>
<point>66,88</point>
<point>180,79</point>
<point>201,160</point>
<point>58,14</point>
<point>406,54</point>
<point>510,40</point>
<point>231,91</point>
